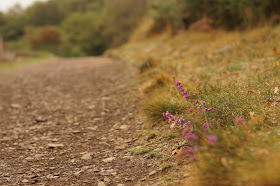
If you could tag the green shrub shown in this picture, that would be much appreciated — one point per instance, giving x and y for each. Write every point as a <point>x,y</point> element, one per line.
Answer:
<point>45,13</point>
<point>86,32</point>
<point>229,14</point>
<point>165,14</point>
<point>138,150</point>
<point>12,26</point>
<point>154,108</point>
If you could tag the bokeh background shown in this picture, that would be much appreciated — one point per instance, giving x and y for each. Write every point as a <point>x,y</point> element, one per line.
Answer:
<point>73,28</point>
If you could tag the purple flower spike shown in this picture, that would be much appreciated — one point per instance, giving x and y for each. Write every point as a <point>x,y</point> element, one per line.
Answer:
<point>238,120</point>
<point>204,102</point>
<point>195,148</point>
<point>212,139</point>
<point>198,108</point>
<point>189,122</point>
<point>196,101</point>
<point>191,110</point>
<point>188,151</point>
<point>209,109</point>
<point>187,96</point>
<point>205,110</point>
<point>190,137</point>
<point>185,131</point>
<point>192,159</point>
<point>181,119</point>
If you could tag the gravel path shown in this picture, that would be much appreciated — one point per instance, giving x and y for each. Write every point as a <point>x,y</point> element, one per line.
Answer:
<point>69,122</point>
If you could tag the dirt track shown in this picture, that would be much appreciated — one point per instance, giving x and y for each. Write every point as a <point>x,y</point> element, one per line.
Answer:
<point>68,122</point>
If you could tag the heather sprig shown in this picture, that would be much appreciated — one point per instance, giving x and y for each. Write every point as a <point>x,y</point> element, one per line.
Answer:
<point>178,122</point>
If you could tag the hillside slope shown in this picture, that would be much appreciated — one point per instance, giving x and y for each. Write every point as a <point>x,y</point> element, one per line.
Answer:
<point>237,75</point>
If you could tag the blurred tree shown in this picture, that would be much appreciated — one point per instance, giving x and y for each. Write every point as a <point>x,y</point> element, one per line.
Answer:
<point>45,13</point>
<point>12,26</point>
<point>122,16</point>
<point>86,32</point>
<point>46,38</point>
<point>165,14</point>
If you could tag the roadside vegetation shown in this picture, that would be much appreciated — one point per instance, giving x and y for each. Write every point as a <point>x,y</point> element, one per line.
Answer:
<point>232,74</point>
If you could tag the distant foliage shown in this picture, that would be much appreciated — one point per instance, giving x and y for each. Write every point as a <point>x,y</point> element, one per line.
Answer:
<point>85,31</point>
<point>45,13</point>
<point>46,38</point>
<point>228,14</point>
<point>232,13</point>
<point>165,14</point>
<point>82,27</point>
<point>12,26</point>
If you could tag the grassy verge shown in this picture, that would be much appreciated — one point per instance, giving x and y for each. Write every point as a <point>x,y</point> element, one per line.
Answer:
<point>22,61</point>
<point>237,75</point>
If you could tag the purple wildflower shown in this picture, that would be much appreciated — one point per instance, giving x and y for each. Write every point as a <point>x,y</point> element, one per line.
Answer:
<point>185,131</point>
<point>196,101</point>
<point>238,120</point>
<point>192,159</point>
<point>210,109</point>
<point>190,136</point>
<point>195,148</point>
<point>212,139</point>
<point>204,102</point>
<point>189,122</point>
<point>191,110</point>
<point>181,119</point>
<point>188,151</point>
<point>194,93</point>
<point>178,83</point>
<point>187,96</point>
<point>205,109</point>
<point>205,125</point>
<point>198,108</point>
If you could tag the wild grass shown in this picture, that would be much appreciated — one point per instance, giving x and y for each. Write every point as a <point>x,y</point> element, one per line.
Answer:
<point>138,150</point>
<point>238,75</point>
<point>22,61</point>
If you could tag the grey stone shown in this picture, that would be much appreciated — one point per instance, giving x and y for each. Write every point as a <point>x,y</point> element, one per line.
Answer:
<point>124,127</point>
<point>107,160</point>
<point>86,156</point>
<point>152,173</point>
<point>101,184</point>
<point>25,181</point>
<point>15,106</point>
